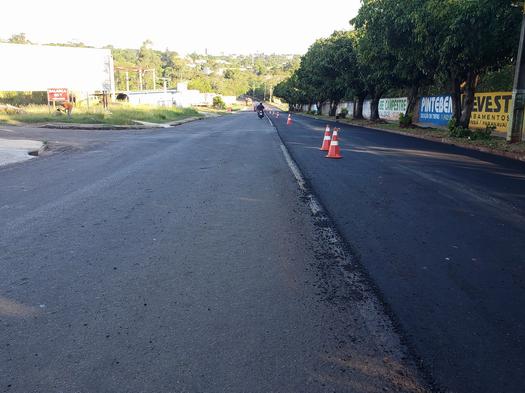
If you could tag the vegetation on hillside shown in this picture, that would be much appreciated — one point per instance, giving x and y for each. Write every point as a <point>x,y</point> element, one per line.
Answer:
<point>225,74</point>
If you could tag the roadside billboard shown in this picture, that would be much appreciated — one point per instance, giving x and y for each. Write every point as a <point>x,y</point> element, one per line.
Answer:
<point>390,108</point>
<point>39,67</point>
<point>435,110</point>
<point>491,109</point>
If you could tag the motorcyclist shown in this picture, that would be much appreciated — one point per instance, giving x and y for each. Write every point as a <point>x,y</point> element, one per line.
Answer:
<point>260,107</point>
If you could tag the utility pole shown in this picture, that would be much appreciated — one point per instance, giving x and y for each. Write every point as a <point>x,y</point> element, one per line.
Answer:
<point>165,84</point>
<point>127,81</point>
<point>154,80</point>
<point>140,79</point>
<point>253,86</point>
<point>515,127</point>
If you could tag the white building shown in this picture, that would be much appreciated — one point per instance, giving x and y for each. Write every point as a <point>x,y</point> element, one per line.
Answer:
<point>181,97</point>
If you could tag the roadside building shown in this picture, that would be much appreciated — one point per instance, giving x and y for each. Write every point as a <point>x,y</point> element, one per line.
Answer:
<point>181,97</point>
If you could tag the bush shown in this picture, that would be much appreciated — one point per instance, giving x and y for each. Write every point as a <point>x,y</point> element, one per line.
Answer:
<point>218,102</point>
<point>343,113</point>
<point>456,131</point>
<point>405,121</point>
<point>482,134</point>
<point>460,132</point>
<point>23,98</point>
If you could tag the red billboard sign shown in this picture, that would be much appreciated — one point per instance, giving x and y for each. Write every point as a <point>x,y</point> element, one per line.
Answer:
<point>57,94</point>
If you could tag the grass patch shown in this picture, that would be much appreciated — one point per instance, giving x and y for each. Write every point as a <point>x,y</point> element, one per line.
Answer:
<point>118,114</point>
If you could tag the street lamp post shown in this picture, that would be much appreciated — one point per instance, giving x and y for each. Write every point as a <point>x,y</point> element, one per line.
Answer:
<point>515,128</point>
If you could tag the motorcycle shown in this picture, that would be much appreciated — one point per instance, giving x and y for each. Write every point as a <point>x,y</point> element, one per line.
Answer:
<point>260,114</point>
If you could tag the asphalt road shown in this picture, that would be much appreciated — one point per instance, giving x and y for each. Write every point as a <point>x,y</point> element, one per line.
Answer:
<point>441,232</point>
<point>181,260</point>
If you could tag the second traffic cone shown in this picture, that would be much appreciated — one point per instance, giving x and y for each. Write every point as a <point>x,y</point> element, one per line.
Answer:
<point>326,139</point>
<point>277,116</point>
<point>334,151</point>
<point>289,121</point>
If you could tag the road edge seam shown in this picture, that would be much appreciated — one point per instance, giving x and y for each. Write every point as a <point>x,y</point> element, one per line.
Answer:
<point>355,274</point>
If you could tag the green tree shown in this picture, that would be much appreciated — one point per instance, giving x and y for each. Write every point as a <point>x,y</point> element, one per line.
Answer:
<point>393,26</point>
<point>311,79</point>
<point>330,67</point>
<point>202,83</point>
<point>125,60</point>
<point>149,59</point>
<point>376,61</point>
<point>174,67</point>
<point>498,80</point>
<point>230,74</point>
<point>289,92</point>
<point>19,38</point>
<point>465,39</point>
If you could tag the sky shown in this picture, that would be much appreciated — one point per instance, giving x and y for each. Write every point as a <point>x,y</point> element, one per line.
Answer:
<point>228,26</point>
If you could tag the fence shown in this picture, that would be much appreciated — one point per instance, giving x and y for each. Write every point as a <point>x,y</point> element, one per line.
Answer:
<point>490,109</point>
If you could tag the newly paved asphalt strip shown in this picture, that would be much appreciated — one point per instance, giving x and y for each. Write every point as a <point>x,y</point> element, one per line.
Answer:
<point>441,232</point>
<point>181,260</point>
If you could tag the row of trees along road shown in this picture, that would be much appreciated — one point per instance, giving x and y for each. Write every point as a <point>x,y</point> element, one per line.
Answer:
<point>408,46</point>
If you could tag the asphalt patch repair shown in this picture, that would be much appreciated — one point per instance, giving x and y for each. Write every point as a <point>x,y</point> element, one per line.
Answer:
<point>359,310</point>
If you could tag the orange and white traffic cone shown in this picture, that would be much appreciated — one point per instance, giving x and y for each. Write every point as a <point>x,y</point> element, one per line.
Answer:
<point>289,121</point>
<point>334,151</point>
<point>326,139</point>
<point>277,116</point>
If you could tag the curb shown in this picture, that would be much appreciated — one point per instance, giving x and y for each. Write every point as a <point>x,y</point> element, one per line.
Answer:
<point>445,141</point>
<point>73,126</point>
<point>42,149</point>
<point>188,120</point>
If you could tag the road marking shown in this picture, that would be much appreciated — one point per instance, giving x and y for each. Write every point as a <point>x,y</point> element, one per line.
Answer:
<point>313,204</point>
<point>293,167</point>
